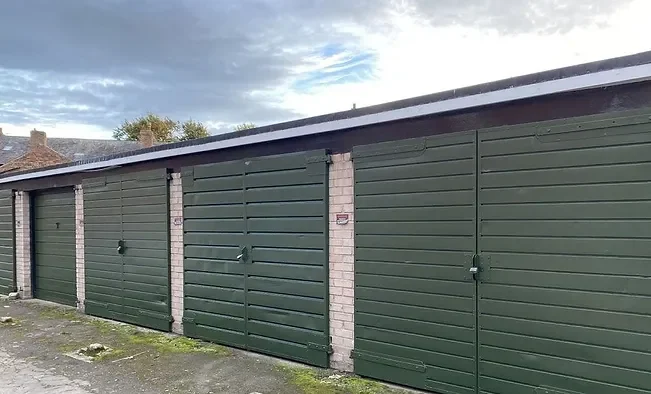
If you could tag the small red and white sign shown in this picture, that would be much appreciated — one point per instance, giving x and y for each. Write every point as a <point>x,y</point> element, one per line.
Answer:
<point>341,219</point>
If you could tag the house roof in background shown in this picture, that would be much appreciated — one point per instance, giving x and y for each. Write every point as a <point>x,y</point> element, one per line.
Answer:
<point>38,156</point>
<point>74,149</point>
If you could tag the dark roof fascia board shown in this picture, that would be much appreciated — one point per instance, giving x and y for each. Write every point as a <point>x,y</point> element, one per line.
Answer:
<point>611,77</point>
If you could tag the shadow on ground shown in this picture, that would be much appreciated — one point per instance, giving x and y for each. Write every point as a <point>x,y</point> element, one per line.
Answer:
<point>144,361</point>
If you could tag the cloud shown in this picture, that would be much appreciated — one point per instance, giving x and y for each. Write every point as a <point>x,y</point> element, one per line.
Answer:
<point>97,63</point>
<point>514,16</point>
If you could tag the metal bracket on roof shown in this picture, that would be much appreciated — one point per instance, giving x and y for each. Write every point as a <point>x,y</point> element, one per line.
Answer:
<point>317,165</point>
<point>319,159</point>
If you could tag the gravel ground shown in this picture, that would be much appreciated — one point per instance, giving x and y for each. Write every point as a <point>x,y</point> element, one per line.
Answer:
<point>23,377</point>
<point>33,360</point>
<point>36,349</point>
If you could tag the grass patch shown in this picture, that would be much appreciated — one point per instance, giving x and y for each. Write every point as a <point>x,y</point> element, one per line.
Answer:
<point>53,312</point>
<point>175,344</point>
<point>112,355</point>
<point>312,381</point>
<point>107,327</point>
<point>130,334</point>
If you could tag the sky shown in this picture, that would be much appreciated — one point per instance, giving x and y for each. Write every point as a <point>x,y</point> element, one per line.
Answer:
<point>79,68</point>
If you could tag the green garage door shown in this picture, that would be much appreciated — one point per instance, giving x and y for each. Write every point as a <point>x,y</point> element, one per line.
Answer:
<point>126,240</point>
<point>414,245</point>
<point>256,255</point>
<point>55,246</point>
<point>565,296</point>
<point>7,242</point>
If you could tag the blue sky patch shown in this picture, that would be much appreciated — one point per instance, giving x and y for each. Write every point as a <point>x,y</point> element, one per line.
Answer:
<point>351,67</point>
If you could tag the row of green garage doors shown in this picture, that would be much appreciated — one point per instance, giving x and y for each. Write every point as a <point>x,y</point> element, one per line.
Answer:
<point>255,252</point>
<point>554,217</point>
<point>556,220</point>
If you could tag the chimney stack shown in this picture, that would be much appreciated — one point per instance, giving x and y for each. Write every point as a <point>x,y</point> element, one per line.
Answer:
<point>37,138</point>
<point>146,137</point>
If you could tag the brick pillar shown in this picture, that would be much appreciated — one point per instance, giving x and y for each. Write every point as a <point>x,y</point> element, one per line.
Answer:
<point>176,248</point>
<point>23,245</point>
<point>341,256</point>
<point>79,250</point>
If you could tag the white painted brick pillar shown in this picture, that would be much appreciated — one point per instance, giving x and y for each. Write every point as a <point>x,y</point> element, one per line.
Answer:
<point>342,276</point>
<point>23,245</point>
<point>79,250</point>
<point>176,251</point>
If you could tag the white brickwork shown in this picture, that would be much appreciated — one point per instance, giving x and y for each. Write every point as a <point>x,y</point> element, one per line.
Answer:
<point>342,297</point>
<point>79,250</point>
<point>176,248</point>
<point>23,245</point>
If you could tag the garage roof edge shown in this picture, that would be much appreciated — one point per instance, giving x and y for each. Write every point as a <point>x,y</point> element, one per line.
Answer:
<point>609,77</point>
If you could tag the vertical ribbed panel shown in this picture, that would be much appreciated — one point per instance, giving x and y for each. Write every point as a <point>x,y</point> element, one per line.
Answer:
<point>565,216</point>
<point>7,242</point>
<point>414,241</point>
<point>132,286</point>
<point>273,212</point>
<point>54,246</point>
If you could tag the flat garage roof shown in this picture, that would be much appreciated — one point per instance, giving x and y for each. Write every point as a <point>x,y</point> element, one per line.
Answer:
<point>611,72</point>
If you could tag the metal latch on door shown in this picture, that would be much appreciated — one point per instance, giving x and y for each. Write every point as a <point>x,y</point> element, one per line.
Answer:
<point>243,256</point>
<point>121,247</point>
<point>478,267</point>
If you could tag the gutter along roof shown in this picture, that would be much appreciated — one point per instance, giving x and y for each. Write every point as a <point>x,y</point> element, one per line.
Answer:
<point>618,71</point>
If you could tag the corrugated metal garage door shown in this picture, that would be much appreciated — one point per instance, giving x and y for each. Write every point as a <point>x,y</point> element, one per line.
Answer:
<point>127,248</point>
<point>565,299</point>
<point>7,242</point>
<point>256,255</point>
<point>54,246</point>
<point>414,245</point>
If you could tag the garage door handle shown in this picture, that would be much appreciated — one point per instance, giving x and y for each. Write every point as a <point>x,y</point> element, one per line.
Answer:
<point>120,248</point>
<point>474,270</point>
<point>243,256</point>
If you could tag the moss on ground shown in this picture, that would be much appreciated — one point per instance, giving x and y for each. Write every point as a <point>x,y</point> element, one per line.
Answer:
<point>53,312</point>
<point>164,343</point>
<point>114,354</point>
<point>107,327</point>
<point>176,344</point>
<point>312,381</point>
